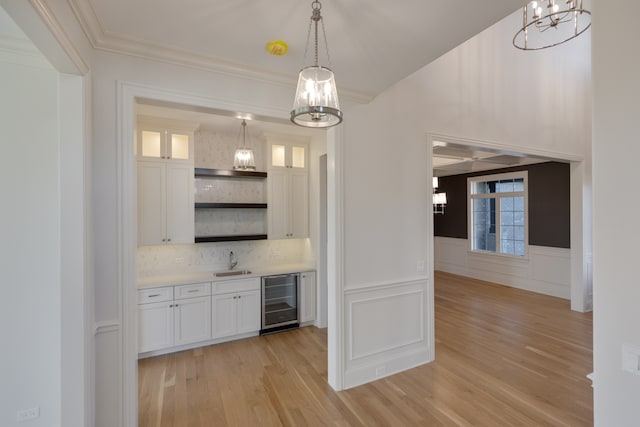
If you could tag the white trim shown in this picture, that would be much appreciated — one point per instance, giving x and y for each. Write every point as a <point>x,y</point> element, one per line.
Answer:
<point>106,326</point>
<point>127,94</point>
<point>507,149</point>
<point>498,196</point>
<point>23,52</point>
<point>335,255</point>
<point>60,35</point>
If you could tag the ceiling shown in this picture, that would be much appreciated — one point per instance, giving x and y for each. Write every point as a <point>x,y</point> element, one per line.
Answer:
<point>372,43</point>
<point>455,159</point>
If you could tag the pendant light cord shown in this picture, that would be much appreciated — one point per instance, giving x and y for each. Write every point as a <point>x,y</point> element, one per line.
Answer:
<point>315,17</point>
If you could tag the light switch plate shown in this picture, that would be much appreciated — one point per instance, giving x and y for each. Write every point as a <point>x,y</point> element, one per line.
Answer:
<point>631,359</point>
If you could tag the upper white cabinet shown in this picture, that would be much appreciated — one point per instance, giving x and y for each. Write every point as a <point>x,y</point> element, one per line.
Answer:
<point>288,190</point>
<point>165,140</point>
<point>165,203</point>
<point>165,181</point>
<point>288,155</point>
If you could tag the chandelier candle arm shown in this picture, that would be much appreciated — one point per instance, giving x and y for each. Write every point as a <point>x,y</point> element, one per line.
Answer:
<point>316,102</point>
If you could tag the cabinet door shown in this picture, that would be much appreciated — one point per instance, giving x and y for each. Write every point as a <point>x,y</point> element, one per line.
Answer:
<point>151,143</point>
<point>223,315</point>
<point>180,207</point>
<point>179,145</point>
<point>155,326</point>
<point>248,311</point>
<point>192,320</point>
<point>298,204</point>
<point>278,211</point>
<point>151,203</point>
<point>308,296</point>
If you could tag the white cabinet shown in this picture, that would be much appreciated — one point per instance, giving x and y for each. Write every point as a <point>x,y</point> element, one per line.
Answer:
<point>165,203</point>
<point>288,190</point>
<point>288,154</point>
<point>236,307</point>
<point>192,305</point>
<point>155,319</point>
<point>173,315</point>
<point>155,326</point>
<point>307,296</point>
<point>157,141</point>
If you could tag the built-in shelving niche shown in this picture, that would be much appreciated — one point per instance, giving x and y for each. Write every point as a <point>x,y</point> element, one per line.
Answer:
<point>228,219</point>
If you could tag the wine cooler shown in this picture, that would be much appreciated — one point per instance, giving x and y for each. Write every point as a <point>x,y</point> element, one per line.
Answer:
<point>280,302</point>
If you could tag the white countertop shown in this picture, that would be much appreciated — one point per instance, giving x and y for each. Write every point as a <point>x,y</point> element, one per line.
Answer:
<point>209,276</point>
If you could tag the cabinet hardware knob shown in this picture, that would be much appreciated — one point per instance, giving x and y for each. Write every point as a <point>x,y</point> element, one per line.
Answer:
<point>168,240</point>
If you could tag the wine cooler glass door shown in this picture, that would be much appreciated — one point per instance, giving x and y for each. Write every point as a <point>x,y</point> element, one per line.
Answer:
<point>279,300</point>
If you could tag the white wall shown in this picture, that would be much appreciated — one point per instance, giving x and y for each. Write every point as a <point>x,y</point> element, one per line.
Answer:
<point>30,360</point>
<point>483,90</point>
<point>616,149</point>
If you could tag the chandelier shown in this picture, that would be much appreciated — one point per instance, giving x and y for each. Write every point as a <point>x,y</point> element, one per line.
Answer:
<point>439,199</point>
<point>243,159</point>
<point>316,103</point>
<point>547,23</point>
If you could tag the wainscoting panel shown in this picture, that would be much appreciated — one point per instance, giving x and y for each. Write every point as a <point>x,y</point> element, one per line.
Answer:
<point>108,382</point>
<point>546,270</point>
<point>385,330</point>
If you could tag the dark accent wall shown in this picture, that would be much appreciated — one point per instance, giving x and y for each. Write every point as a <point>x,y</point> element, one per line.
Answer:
<point>549,204</point>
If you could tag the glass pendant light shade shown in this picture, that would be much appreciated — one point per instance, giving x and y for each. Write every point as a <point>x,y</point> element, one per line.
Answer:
<point>243,159</point>
<point>316,102</point>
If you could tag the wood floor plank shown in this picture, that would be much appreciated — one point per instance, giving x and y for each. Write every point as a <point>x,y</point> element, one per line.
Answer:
<point>504,357</point>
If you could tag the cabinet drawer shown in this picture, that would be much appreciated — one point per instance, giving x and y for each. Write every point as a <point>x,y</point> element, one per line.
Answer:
<point>146,296</point>
<point>192,291</point>
<point>238,285</point>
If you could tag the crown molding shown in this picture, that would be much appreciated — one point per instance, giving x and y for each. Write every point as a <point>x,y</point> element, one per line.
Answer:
<point>60,35</point>
<point>102,39</point>
<point>21,51</point>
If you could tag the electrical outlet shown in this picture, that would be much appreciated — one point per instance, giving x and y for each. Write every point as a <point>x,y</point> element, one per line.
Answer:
<point>420,265</point>
<point>631,359</point>
<point>28,414</point>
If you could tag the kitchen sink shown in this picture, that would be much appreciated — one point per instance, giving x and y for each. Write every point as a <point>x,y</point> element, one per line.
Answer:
<point>232,273</point>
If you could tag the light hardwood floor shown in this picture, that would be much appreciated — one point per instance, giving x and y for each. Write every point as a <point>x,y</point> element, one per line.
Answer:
<point>504,357</point>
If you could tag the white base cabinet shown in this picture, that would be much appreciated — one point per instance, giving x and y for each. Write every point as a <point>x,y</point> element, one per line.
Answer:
<point>173,318</point>
<point>307,296</point>
<point>236,307</point>
<point>155,326</point>
<point>173,315</point>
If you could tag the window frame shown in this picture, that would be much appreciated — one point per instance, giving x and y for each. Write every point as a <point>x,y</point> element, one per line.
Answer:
<point>498,196</point>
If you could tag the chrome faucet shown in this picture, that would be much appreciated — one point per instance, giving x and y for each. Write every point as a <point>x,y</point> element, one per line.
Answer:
<point>233,260</point>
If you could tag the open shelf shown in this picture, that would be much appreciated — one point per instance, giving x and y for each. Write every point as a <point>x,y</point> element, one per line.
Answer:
<point>224,173</point>
<point>230,238</point>
<point>217,205</point>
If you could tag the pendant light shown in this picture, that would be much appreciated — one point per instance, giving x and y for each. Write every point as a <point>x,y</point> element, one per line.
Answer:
<point>316,103</point>
<point>243,159</point>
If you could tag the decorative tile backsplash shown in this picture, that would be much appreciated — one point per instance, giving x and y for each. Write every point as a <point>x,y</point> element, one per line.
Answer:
<point>169,259</point>
<point>230,190</point>
<point>215,150</point>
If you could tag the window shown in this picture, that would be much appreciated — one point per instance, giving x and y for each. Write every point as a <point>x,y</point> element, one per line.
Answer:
<point>498,213</point>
